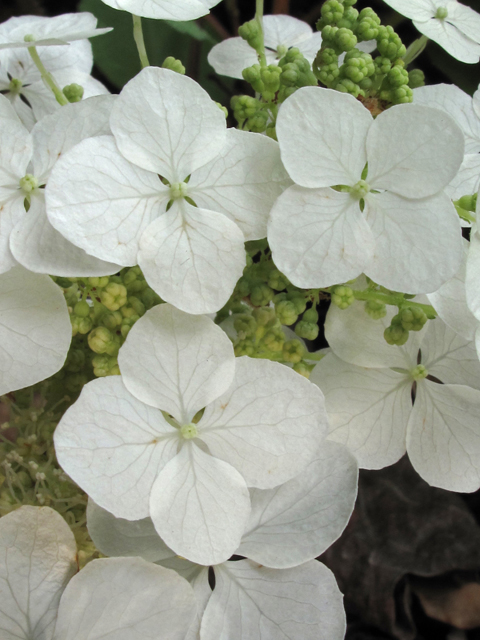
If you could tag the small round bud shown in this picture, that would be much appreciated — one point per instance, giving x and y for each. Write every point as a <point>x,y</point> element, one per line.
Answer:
<point>310,315</point>
<point>73,92</point>
<point>261,294</point>
<point>412,318</point>
<point>442,13</point>
<point>286,312</point>
<point>342,297</point>
<point>306,330</point>
<point>265,316</point>
<point>252,33</point>
<point>245,325</point>
<point>99,282</point>
<point>99,339</point>
<point>303,369</point>
<point>189,431</point>
<point>114,296</point>
<point>395,334</point>
<point>244,348</point>
<point>274,339</point>
<point>375,310</point>
<point>419,372</point>
<point>174,65</point>
<point>82,309</point>
<point>293,351</point>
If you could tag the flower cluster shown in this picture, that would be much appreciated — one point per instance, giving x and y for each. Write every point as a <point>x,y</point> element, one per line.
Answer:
<point>165,286</point>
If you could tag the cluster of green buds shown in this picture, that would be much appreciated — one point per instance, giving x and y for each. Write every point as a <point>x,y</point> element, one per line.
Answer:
<point>408,318</point>
<point>102,312</point>
<point>29,472</point>
<point>384,77</point>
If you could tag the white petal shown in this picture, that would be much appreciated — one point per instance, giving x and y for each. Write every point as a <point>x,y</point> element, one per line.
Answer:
<point>165,9</point>
<point>451,39</point>
<point>38,556</point>
<point>309,48</point>
<point>176,362</point>
<point>465,19</point>
<point>443,438</point>
<point>119,537</point>
<point>319,237</point>
<point>243,182</point>
<point>458,104</point>
<point>368,409</point>
<point>322,137</point>
<point>472,280</point>
<point>101,202</point>
<point>414,9</point>
<point>166,123</point>
<point>357,338</point>
<point>41,248</point>
<point>476,102</point>
<point>450,357</point>
<point>55,134</point>
<point>15,149</point>
<point>231,57</point>
<point>114,447</point>
<point>268,425</point>
<point>450,302</point>
<point>300,519</point>
<point>11,212</point>
<point>467,180</point>
<point>192,257</point>
<point>421,163</point>
<point>125,599</point>
<point>200,506</point>
<point>35,329</point>
<point>418,242</point>
<point>285,30</point>
<point>270,604</point>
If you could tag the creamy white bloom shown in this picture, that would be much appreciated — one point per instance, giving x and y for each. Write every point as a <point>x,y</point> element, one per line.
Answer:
<point>368,396</point>
<point>28,31</point>
<point>26,160</point>
<point>472,276</point>
<point>394,222</point>
<point>165,124</point>
<point>35,329</point>
<point>261,426</point>
<point>460,106</point>
<point>165,9</point>
<point>42,599</point>
<point>454,26</point>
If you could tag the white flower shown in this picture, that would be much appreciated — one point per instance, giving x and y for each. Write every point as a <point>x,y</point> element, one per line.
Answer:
<point>35,329</point>
<point>165,9</point>
<point>368,396</point>
<point>451,24</point>
<point>42,599</point>
<point>460,107</point>
<point>28,31</point>
<point>261,426</point>
<point>165,124</point>
<point>472,276</point>
<point>408,236</point>
<point>25,164</point>
<point>289,526</point>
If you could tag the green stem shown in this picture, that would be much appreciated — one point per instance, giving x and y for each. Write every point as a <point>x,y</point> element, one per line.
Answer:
<point>259,19</point>
<point>395,300</point>
<point>47,77</point>
<point>139,41</point>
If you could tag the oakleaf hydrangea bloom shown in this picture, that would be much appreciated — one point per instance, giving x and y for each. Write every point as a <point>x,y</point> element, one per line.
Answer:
<point>28,31</point>
<point>165,9</point>
<point>451,24</point>
<point>136,445</point>
<point>289,526</point>
<point>25,164</point>
<point>42,599</point>
<point>460,107</point>
<point>368,392</point>
<point>35,329</point>
<point>387,215</point>
<point>187,230</point>
<point>231,56</point>
<point>472,276</point>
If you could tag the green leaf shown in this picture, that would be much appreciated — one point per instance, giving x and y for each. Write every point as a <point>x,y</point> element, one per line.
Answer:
<point>117,58</point>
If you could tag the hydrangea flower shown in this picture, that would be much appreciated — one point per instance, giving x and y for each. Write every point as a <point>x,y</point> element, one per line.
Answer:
<point>454,26</point>
<point>41,598</point>
<point>368,392</point>
<point>165,9</point>
<point>26,161</point>
<point>35,329</point>
<point>165,124</point>
<point>392,222</point>
<point>289,526</point>
<point>472,275</point>
<point>37,31</point>
<point>460,107</point>
<point>134,445</point>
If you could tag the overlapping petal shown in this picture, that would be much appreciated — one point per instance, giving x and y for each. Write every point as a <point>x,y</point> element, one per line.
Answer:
<point>165,9</point>
<point>176,362</point>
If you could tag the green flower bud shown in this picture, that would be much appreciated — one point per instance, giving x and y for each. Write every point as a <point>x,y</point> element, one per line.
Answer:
<point>245,325</point>
<point>310,315</point>
<point>242,288</point>
<point>375,310</point>
<point>397,76</point>
<point>303,369</point>
<point>174,65</point>
<point>81,325</point>
<point>395,334</point>
<point>286,313</point>
<point>100,339</point>
<point>127,324</point>
<point>345,85</point>
<point>98,282</point>
<point>149,298</point>
<point>357,66</point>
<point>104,365</point>
<point>252,33</point>
<point>331,12</point>
<point>114,296</point>
<point>244,348</point>
<point>293,351</point>
<point>274,339</point>
<point>261,294</point>
<point>265,316</point>
<point>253,76</point>
<point>382,65</point>
<point>326,66</point>
<point>73,92</point>
<point>257,123</point>
<point>419,372</point>
<point>367,25</point>
<point>389,43</point>
<point>270,77</point>
<point>306,330</point>
<point>82,309</point>
<point>342,296</point>
<point>469,203</point>
<point>299,301</point>
<point>277,281</point>
<point>411,318</point>
<point>222,108</point>
<point>416,78</point>
<point>349,19</point>
<point>244,107</point>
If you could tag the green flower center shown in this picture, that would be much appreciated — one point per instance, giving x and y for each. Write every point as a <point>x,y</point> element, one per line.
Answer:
<point>29,38</point>
<point>178,190</point>
<point>15,86</point>
<point>442,13</point>
<point>189,431</point>
<point>281,51</point>
<point>419,372</point>
<point>28,184</point>
<point>360,190</point>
